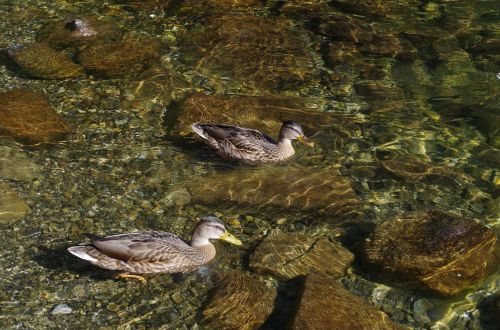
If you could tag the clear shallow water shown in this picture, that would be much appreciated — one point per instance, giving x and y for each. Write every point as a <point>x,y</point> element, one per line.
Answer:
<point>127,166</point>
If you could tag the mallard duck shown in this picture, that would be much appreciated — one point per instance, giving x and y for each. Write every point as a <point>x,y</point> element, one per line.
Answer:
<point>154,251</point>
<point>249,145</point>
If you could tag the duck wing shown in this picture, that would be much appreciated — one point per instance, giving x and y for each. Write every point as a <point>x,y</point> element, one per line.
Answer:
<point>146,247</point>
<point>234,140</point>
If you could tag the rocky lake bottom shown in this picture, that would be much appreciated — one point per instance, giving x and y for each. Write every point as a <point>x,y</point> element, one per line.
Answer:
<point>389,222</point>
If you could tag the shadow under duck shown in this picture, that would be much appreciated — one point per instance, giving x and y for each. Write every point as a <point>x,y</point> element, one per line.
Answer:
<point>155,251</point>
<point>249,145</point>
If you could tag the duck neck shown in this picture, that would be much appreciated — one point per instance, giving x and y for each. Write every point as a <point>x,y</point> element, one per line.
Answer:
<point>285,147</point>
<point>205,248</point>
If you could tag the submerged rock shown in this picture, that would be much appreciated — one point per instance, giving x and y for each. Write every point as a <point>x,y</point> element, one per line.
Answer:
<point>411,169</point>
<point>12,206</point>
<point>288,255</point>
<point>208,7</point>
<point>238,301</point>
<point>325,304</point>
<point>255,52</point>
<point>366,38</point>
<point>310,190</point>
<point>61,309</point>
<point>77,32</point>
<point>41,61</point>
<point>29,118</point>
<point>264,113</point>
<point>443,252</point>
<point>121,58</point>
<point>15,165</point>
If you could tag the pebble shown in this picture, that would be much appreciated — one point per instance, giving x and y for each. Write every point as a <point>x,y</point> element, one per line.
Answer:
<point>61,309</point>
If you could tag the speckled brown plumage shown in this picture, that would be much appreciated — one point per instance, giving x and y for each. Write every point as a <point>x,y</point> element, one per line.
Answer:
<point>154,251</point>
<point>249,145</point>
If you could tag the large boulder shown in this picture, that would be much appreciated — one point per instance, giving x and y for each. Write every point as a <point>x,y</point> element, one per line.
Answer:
<point>283,189</point>
<point>325,304</point>
<point>29,118</point>
<point>288,255</point>
<point>443,252</point>
<point>120,58</point>
<point>41,61</point>
<point>238,301</point>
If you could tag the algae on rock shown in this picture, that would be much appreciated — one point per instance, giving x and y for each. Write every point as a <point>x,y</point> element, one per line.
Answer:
<point>443,252</point>
<point>288,255</point>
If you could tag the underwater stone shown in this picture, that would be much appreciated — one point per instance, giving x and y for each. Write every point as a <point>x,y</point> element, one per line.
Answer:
<point>208,7</point>
<point>412,169</point>
<point>288,255</point>
<point>325,304</point>
<point>378,90</point>
<point>77,32</point>
<point>384,8</point>
<point>121,58</point>
<point>61,309</point>
<point>41,61</point>
<point>29,118</point>
<point>256,52</point>
<point>264,113</point>
<point>367,39</point>
<point>15,165</point>
<point>238,301</point>
<point>11,205</point>
<point>444,252</point>
<point>270,187</point>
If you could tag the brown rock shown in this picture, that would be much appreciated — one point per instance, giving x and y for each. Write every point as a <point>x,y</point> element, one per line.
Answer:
<point>146,4</point>
<point>256,52</point>
<point>445,253</point>
<point>327,305</point>
<point>346,28</point>
<point>30,119</point>
<point>378,90</point>
<point>411,169</point>
<point>309,9</point>
<point>11,205</point>
<point>384,8</point>
<point>290,255</point>
<point>121,58</point>
<point>41,61</point>
<point>15,165</point>
<point>77,32</point>
<point>207,7</point>
<point>238,301</point>
<point>271,187</point>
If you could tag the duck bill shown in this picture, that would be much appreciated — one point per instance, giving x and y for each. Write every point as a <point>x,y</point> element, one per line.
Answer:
<point>228,237</point>
<point>305,140</point>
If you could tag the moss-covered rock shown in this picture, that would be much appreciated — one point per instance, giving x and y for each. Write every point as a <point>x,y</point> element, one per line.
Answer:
<point>120,58</point>
<point>41,61</point>
<point>310,189</point>
<point>325,304</point>
<point>443,252</point>
<point>238,301</point>
<point>15,165</point>
<point>288,255</point>
<point>11,205</point>
<point>29,118</point>
<point>412,169</point>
